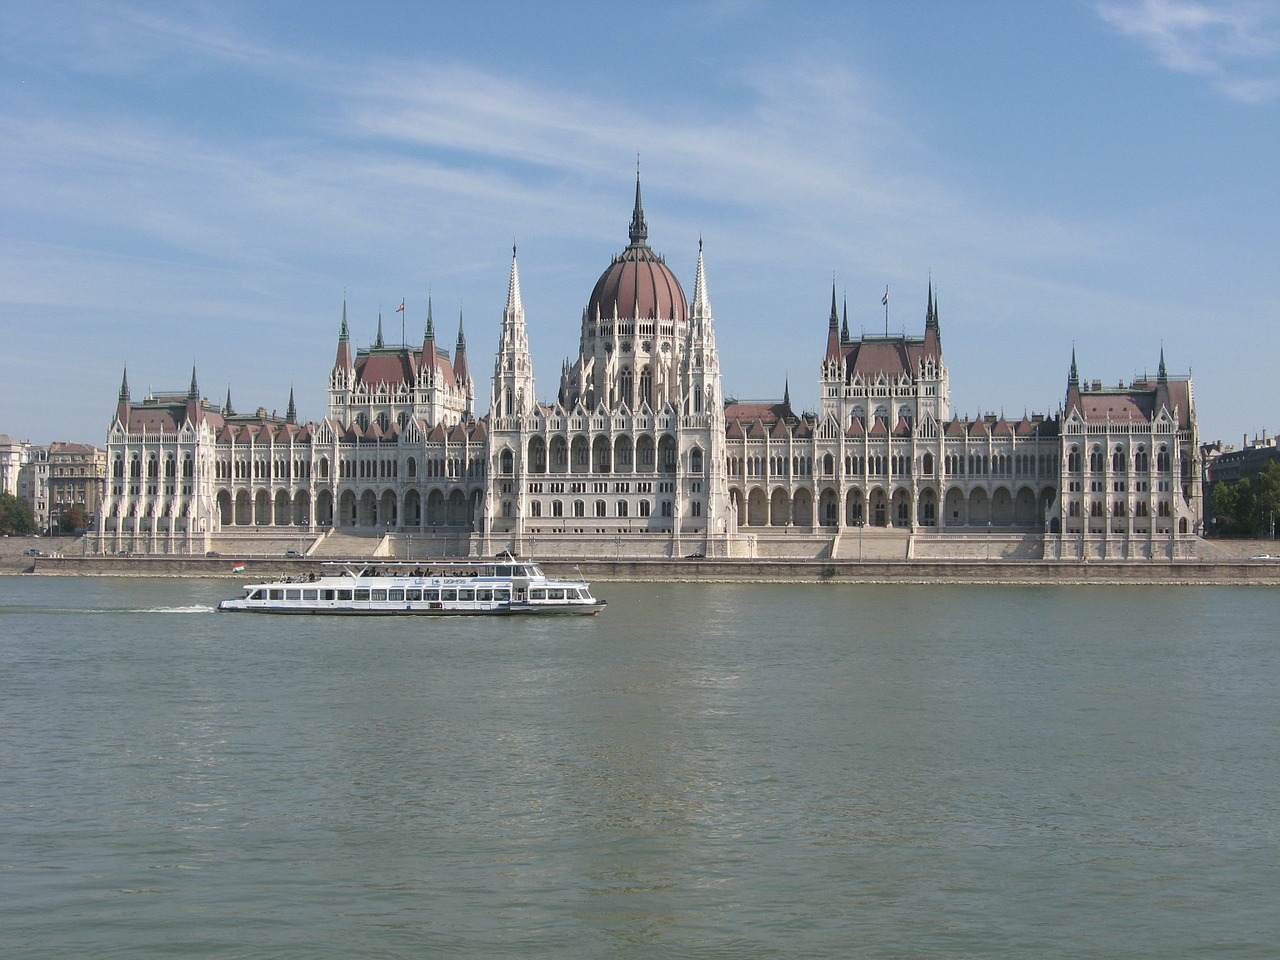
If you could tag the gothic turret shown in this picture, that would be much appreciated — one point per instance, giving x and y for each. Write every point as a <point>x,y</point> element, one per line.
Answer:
<point>513,370</point>
<point>123,405</point>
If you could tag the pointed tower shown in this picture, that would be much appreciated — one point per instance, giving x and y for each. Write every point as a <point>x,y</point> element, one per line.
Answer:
<point>342,378</point>
<point>513,394</point>
<point>833,329</point>
<point>193,400</point>
<point>461,373</point>
<point>704,424</point>
<point>378,344</point>
<point>292,415</point>
<point>427,364</point>
<point>123,405</point>
<point>227,410</point>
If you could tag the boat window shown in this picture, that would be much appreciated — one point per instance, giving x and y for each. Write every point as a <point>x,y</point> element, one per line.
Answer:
<point>310,594</point>
<point>362,594</point>
<point>431,596</point>
<point>255,595</point>
<point>504,571</point>
<point>395,595</point>
<point>502,596</point>
<point>293,594</point>
<point>484,596</point>
<point>413,595</point>
<point>449,596</point>
<point>380,595</point>
<point>344,594</point>
<point>555,594</point>
<point>537,594</point>
<point>276,594</point>
<point>467,595</point>
<point>327,594</point>
<point>583,594</point>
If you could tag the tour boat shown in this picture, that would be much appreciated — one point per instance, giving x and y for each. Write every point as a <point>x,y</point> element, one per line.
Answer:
<point>501,586</point>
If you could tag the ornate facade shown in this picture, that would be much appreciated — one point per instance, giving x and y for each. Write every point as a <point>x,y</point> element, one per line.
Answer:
<point>640,454</point>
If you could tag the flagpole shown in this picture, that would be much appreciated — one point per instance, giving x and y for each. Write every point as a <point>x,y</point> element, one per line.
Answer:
<point>886,309</point>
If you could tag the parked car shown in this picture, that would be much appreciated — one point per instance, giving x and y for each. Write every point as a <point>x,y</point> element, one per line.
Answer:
<point>292,554</point>
<point>212,553</point>
<point>33,552</point>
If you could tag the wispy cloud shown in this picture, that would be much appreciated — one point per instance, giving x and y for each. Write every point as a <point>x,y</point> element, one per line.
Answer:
<point>1235,45</point>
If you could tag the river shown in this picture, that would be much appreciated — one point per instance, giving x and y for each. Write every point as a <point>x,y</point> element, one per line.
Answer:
<point>736,770</point>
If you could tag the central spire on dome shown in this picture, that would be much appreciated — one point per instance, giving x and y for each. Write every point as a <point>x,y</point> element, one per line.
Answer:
<point>639,229</point>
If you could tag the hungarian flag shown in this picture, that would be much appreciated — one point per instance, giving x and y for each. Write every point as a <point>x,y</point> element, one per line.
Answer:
<point>885,298</point>
<point>400,309</point>
<point>238,568</point>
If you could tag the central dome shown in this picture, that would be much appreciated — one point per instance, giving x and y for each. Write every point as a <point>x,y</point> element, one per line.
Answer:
<point>638,284</point>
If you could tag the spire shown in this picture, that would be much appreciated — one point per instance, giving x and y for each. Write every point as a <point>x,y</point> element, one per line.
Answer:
<point>378,342</point>
<point>430,333</point>
<point>639,229</point>
<point>122,404</point>
<point>514,303</point>
<point>930,317</point>
<point>701,307</point>
<point>786,393</point>
<point>343,361</point>
<point>1073,378</point>
<point>227,410</point>
<point>844,326</point>
<point>1163,374</point>
<point>292,415</point>
<point>833,327</point>
<point>194,413</point>
<point>460,371</point>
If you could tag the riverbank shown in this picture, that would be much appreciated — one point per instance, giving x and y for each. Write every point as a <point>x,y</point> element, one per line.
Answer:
<point>1262,572</point>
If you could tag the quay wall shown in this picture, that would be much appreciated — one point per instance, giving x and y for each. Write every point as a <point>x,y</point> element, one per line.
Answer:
<point>723,570</point>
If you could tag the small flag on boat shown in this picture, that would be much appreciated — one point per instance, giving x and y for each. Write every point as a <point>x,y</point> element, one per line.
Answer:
<point>238,568</point>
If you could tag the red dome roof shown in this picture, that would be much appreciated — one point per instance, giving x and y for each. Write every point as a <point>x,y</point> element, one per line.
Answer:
<point>638,283</point>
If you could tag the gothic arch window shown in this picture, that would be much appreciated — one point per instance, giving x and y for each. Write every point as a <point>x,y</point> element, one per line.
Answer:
<point>1118,459</point>
<point>695,460</point>
<point>1162,459</point>
<point>625,386</point>
<point>1096,462</point>
<point>1074,462</point>
<point>646,386</point>
<point>507,463</point>
<point>601,508</point>
<point>622,508</point>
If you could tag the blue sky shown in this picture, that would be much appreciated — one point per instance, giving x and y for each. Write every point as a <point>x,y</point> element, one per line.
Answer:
<point>205,183</point>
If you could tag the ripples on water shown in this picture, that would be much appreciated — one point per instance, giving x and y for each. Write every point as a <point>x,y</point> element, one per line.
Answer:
<point>701,771</point>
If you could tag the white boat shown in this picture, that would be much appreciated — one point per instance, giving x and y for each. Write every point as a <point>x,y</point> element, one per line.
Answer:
<point>497,587</point>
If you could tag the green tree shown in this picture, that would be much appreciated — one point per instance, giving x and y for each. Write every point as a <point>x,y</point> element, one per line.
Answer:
<point>1267,507</point>
<point>73,519</point>
<point>16,518</point>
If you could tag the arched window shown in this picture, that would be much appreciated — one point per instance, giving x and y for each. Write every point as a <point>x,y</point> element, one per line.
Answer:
<point>507,463</point>
<point>1118,459</point>
<point>625,387</point>
<point>695,460</point>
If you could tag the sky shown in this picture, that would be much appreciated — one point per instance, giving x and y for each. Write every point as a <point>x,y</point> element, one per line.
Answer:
<point>206,184</point>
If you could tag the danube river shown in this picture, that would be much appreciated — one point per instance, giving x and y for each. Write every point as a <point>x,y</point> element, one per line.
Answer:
<point>702,771</point>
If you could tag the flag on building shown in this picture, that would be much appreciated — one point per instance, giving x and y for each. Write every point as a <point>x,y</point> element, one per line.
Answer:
<point>400,309</point>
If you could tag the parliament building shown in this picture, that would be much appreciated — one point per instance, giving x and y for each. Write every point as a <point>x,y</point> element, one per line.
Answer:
<point>641,456</point>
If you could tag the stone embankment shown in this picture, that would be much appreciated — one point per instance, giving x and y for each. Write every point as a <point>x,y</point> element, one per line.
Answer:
<point>1243,571</point>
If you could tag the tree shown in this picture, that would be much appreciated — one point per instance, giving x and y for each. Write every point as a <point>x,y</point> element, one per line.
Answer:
<point>16,518</point>
<point>1268,500</point>
<point>73,519</point>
